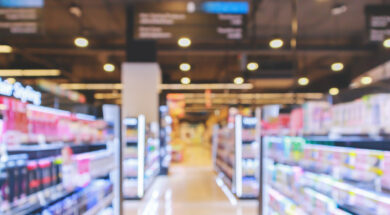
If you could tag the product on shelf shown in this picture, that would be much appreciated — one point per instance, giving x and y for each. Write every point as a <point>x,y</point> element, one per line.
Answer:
<point>141,162</point>
<point>237,159</point>
<point>83,201</point>
<point>27,123</point>
<point>320,176</point>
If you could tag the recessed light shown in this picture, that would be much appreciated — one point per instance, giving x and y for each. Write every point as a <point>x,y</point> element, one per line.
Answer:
<point>184,42</point>
<point>366,80</point>
<point>185,80</point>
<point>75,10</point>
<point>185,67</point>
<point>239,80</point>
<point>252,66</point>
<point>276,43</point>
<point>334,91</point>
<point>339,9</point>
<point>337,67</point>
<point>81,42</point>
<point>108,67</point>
<point>303,81</point>
<point>386,43</point>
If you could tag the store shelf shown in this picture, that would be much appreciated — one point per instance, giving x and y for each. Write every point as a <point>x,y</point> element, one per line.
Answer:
<point>225,169</point>
<point>360,172</point>
<point>38,200</point>
<point>131,143</point>
<point>362,142</point>
<point>107,201</point>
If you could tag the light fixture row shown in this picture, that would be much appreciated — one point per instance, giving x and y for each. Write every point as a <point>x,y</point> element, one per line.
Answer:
<point>237,80</point>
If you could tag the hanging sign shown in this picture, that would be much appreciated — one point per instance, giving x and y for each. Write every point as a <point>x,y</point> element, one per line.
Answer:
<point>20,17</point>
<point>378,22</point>
<point>17,90</point>
<point>172,20</point>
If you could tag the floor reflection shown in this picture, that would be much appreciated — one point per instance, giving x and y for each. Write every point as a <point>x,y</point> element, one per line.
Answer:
<point>190,190</point>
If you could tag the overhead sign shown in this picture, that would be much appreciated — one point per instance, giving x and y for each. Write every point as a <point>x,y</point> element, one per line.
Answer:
<point>378,22</point>
<point>20,17</point>
<point>22,3</point>
<point>17,90</point>
<point>172,20</point>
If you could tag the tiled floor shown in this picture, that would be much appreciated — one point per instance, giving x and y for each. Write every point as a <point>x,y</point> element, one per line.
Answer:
<point>190,189</point>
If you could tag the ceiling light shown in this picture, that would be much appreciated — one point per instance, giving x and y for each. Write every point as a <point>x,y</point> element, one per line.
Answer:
<point>184,42</point>
<point>29,72</point>
<point>108,67</point>
<point>386,43</point>
<point>338,9</point>
<point>337,67</point>
<point>334,91</point>
<point>191,7</point>
<point>100,86</point>
<point>81,42</point>
<point>366,80</point>
<point>114,95</point>
<point>185,80</point>
<point>239,80</point>
<point>303,81</point>
<point>276,43</point>
<point>185,67</point>
<point>214,86</point>
<point>5,49</point>
<point>75,10</point>
<point>252,66</point>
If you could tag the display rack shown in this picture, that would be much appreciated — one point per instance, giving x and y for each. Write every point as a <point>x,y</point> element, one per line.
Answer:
<point>55,185</point>
<point>53,161</point>
<point>165,140</point>
<point>237,157</point>
<point>141,162</point>
<point>321,175</point>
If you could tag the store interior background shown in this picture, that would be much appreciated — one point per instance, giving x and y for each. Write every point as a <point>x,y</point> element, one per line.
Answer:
<point>194,107</point>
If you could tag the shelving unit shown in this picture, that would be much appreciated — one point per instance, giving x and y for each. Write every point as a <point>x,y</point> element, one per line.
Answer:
<point>237,157</point>
<point>225,157</point>
<point>328,176</point>
<point>54,161</point>
<point>141,157</point>
<point>165,140</point>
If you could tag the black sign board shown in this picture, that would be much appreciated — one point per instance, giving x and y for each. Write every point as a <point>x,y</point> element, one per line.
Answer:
<point>20,21</point>
<point>378,22</point>
<point>172,20</point>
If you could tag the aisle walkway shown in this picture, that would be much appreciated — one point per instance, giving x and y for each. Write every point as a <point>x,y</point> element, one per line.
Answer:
<point>190,189</point>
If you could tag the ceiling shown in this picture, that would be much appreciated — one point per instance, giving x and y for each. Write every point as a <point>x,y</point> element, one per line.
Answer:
<point>321,40</point>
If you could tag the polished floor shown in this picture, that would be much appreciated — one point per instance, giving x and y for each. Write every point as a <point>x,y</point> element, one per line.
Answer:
<point>190,189</point>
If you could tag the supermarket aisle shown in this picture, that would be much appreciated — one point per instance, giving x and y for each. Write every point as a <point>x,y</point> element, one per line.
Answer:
<point>190,189</point>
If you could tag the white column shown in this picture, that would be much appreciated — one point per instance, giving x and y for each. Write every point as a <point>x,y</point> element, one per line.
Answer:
<point>140,93</point>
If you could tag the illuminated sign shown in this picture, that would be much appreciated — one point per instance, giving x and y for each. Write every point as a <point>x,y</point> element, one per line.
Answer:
<point>22,3</point>
<point>226,7</point>
<point>17,90</point>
